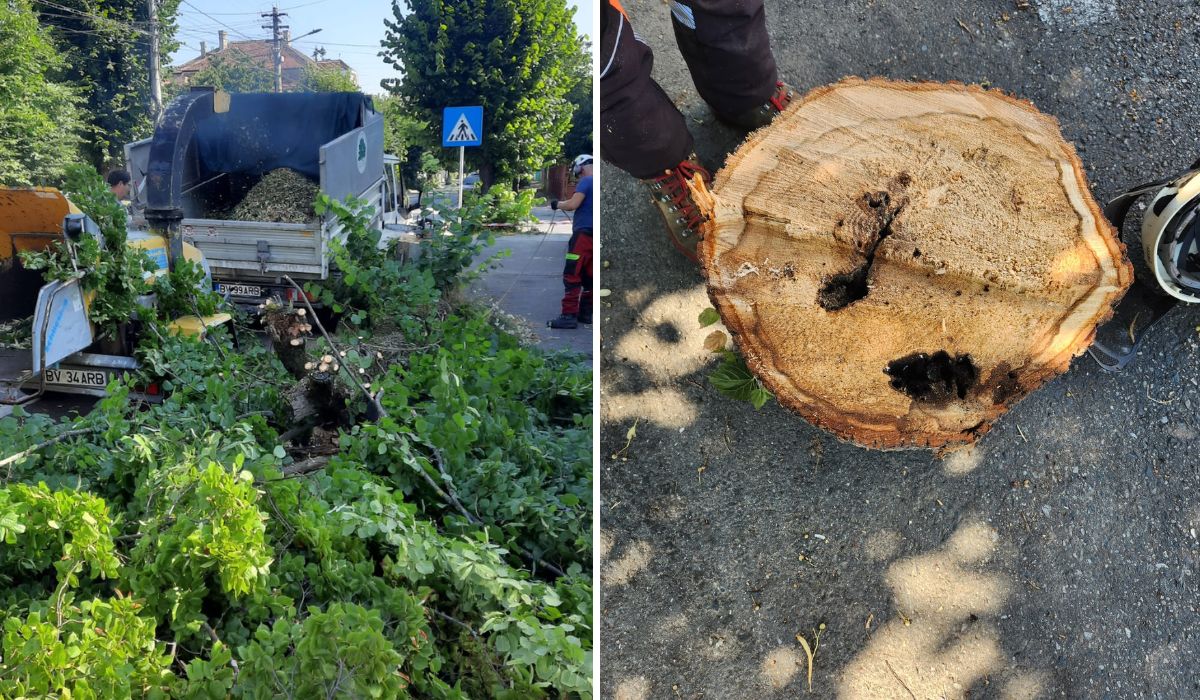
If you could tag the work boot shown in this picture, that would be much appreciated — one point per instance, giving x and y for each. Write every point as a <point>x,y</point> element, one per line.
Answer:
<point>565,321</point>
<point>674,200</point>
<point>763,114</point>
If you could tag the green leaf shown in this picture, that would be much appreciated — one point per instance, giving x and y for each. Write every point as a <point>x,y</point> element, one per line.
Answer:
<point>708,317</point>
<point>734,379</point>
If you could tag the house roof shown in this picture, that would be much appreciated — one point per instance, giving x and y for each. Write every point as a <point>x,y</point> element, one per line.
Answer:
<point>258,50</point>
<point>337,63</point>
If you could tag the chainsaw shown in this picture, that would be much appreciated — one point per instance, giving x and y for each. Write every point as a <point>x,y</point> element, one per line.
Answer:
<point>1171,248</point>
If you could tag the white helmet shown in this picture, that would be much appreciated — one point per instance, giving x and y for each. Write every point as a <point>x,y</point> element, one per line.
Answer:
<point>1169,237</point>
<point>577,166</point>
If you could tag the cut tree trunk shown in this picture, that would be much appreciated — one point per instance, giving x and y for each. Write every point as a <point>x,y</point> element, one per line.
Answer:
<point>901,262</point>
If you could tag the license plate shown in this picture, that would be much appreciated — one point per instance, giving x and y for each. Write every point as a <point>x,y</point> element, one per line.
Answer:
<point>94,378</point>
<point>239,290</point>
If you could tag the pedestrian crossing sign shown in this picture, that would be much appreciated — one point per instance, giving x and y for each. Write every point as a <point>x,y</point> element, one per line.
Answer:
<point>462,126</point>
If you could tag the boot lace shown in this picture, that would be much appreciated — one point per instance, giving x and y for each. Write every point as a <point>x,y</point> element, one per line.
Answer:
<point>673,186</point>
<point>782,97</point>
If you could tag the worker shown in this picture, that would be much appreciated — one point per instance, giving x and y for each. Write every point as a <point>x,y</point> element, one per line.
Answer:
<point>577,273</point>
<point>728,52</point>
<point>118,182</point>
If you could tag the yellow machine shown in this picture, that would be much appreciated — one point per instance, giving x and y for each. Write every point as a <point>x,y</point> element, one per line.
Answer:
<point>63,353</point>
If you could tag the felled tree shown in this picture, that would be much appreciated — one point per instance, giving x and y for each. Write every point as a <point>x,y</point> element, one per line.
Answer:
<point>901,262</point>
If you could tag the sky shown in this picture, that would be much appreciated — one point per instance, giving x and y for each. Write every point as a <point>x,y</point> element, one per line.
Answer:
<point>350,29</point>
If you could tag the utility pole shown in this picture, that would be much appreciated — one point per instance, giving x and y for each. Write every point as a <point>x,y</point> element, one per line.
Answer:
<point>277,50</point>
<point>155,61</point>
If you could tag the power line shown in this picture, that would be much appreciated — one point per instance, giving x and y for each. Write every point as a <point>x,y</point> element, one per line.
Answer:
<point>314,2</point>
<point>213,28</point>
<point>95,18</point>
<point>283,9</point>
<point>331,43</point>
<point>197,9</point>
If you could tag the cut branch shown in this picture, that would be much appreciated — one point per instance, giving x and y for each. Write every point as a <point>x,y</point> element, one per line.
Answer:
<point>450,498</point>
<point>356,381</point>
<point>212,634</point>
<point>12,459</point>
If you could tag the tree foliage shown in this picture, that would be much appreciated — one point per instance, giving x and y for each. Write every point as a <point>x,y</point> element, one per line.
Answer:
<point>105,49</point>
<point>234,70</point>
<point>579,137</point>
<point>39,119</point>
<point>411,140</point>
<point>513,57</point>
<point>327,79</point>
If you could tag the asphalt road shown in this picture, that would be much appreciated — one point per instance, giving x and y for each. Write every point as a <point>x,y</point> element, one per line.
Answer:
<point>57,405</point>
<point>1058,558</point>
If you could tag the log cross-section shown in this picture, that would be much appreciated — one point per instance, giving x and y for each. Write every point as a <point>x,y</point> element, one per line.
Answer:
<point>901,262</point>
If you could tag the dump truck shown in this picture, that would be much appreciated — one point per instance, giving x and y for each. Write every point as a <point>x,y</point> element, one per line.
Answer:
<point>210,148</point>
<point>58,347</point>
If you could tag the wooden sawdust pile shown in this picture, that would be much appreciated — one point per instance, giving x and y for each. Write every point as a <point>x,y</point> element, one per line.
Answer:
<point>281,196</point>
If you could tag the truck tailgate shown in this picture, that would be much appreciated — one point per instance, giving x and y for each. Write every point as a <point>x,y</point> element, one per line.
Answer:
<point>253,247</point>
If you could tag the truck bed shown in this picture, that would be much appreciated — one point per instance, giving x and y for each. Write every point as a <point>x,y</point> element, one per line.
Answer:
<point>255,251</point>
<point>254,248</point>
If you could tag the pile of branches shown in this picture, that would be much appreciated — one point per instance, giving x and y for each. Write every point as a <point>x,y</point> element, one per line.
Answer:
<point>17,333</point>
<point>434,541</point>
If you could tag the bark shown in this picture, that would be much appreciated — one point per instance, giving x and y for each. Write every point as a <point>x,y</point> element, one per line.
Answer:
<point>487,176</point>
<point>901,262</point>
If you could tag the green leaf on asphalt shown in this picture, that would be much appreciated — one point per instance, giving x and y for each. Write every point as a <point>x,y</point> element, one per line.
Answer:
<point>708,317</point>
<point>733,379</point>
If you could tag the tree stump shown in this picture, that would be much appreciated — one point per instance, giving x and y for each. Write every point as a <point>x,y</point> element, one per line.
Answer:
<point>901,262</point>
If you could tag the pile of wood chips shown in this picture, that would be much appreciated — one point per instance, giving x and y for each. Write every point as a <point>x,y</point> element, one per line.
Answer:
<point>281,196</point>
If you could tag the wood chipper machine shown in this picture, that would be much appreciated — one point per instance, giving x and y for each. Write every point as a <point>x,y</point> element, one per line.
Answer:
<point>50,343</point>
<point>210,153</point>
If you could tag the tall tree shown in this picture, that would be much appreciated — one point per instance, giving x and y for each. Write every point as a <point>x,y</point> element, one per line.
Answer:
<point>105,44</point>
<point>579,136</point>
<point>514,57</point>
<point>39,119</point>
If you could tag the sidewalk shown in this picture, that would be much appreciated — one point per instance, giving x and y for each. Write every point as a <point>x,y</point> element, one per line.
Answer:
<point>528,283</point>
<point>550,220</point>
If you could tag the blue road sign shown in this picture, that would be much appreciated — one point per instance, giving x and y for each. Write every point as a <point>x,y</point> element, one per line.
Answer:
<point>462,126</point>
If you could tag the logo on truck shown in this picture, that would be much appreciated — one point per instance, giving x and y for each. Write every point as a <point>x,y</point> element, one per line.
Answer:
<point>361,154</point>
